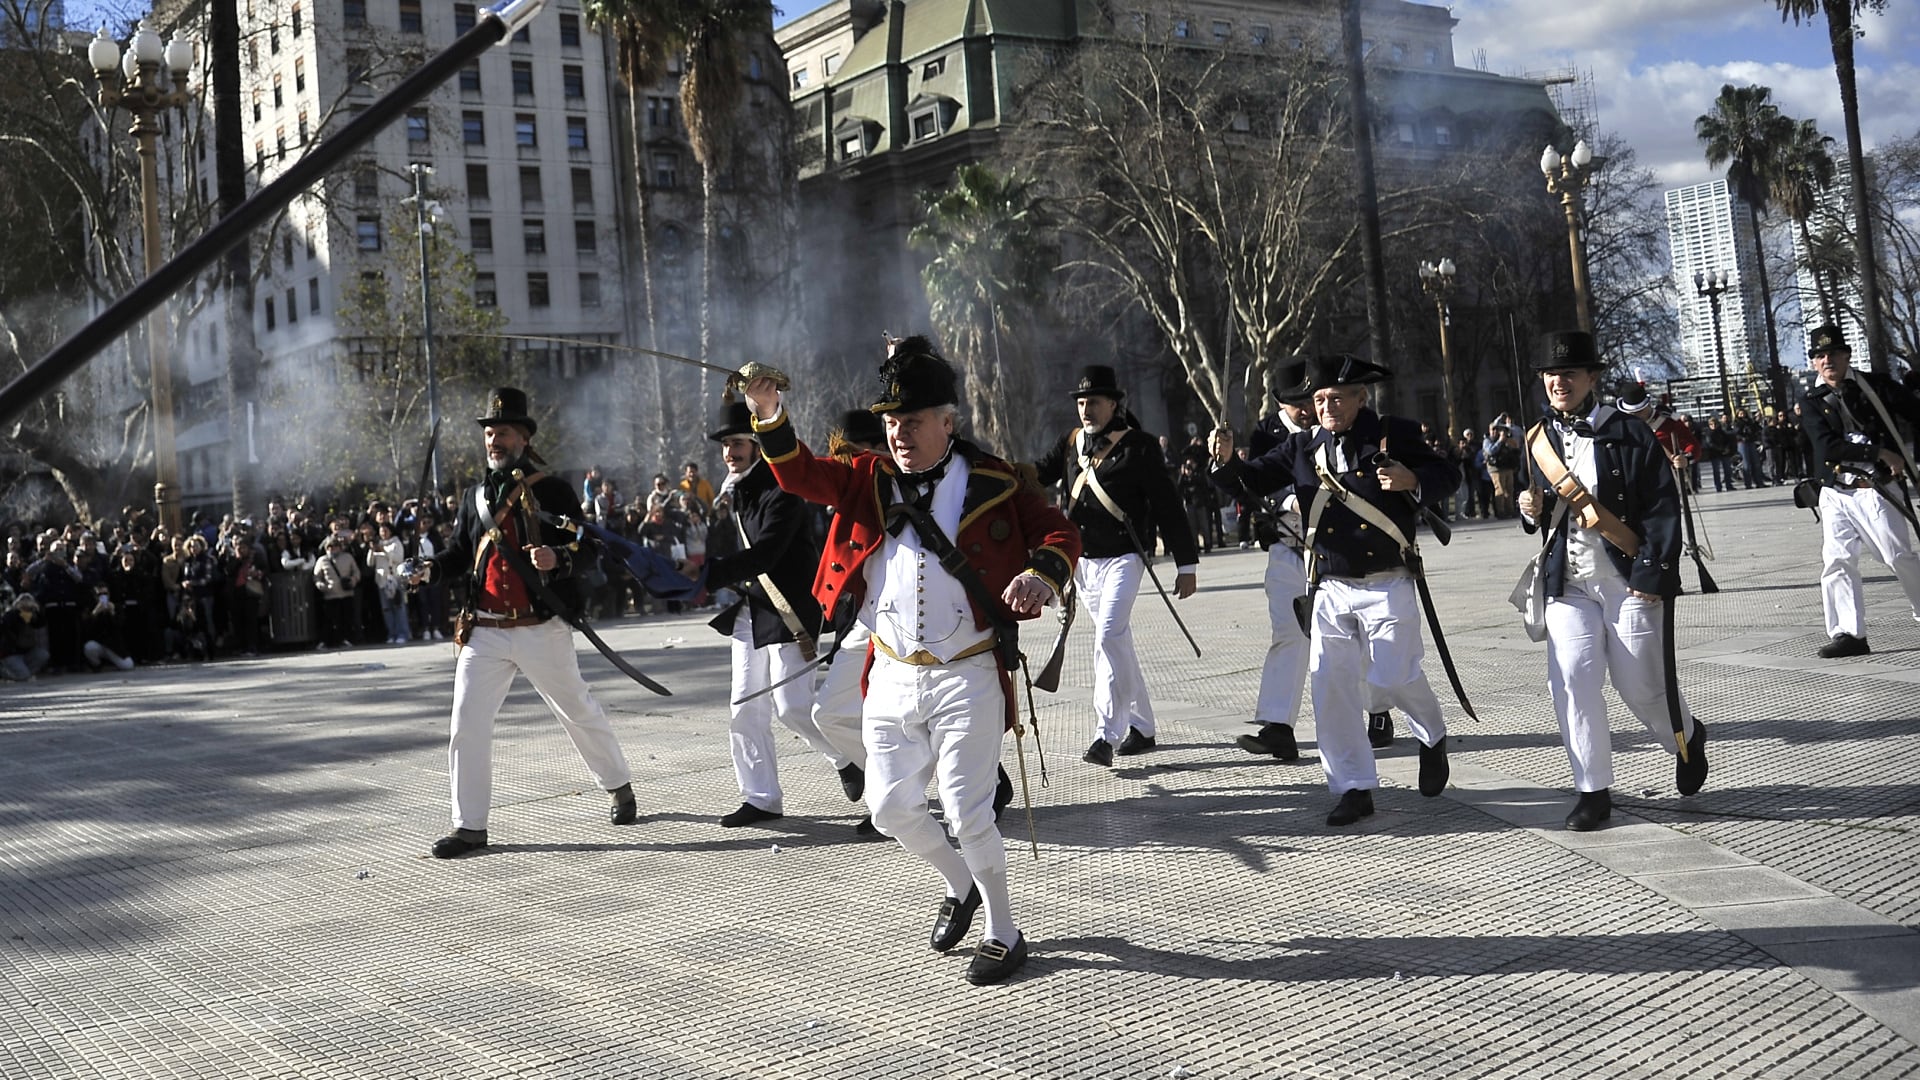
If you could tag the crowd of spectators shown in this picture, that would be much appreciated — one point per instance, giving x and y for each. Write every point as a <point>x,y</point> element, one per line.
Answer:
<point>79,597</point>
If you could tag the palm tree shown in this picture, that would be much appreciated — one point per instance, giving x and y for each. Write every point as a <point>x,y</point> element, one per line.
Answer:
<point>1744,132</point>
<point>646,34</point>
<point>987,266</point>
<point>1840,30</point>
<point>1805,170</point>
<point>717,35</point>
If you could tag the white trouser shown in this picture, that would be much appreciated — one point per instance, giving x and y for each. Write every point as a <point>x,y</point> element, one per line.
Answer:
<point>1365,654</point>
<point>1284,675</point>
<point>1596,630</point>
<point>1109,586</point>
<point>481,677</point>
<point>755,756</point>
<point>941,723</point>
<point>837,700</point>
<point>1849,516</point>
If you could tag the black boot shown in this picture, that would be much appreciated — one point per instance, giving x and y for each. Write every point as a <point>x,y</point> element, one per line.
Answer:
<point>1352,806</point>
<point>1691,774</point>
<point>1593,808</point>
<point>853,781</point>
<point>624,811</point>
<point>1100,753</point>
<point>1275,739</point>
<point>1135,743</point>
<point>1002,794</point>
<point>459,842</point>
<point>1434,770</point>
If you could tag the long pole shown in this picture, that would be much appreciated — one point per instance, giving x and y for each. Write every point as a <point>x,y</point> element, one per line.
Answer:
<point>1570,201</point>
<point>166,464</point>
<point>1446,363</point>
<point>1720,352</point>
<point>426,322</point>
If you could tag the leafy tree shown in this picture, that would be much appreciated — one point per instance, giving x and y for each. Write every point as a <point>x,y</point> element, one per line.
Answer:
<point>1805,169</point>
<point>1745,132</point>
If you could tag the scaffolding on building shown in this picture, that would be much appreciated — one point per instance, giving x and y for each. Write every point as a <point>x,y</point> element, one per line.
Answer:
<point>1571,90</point>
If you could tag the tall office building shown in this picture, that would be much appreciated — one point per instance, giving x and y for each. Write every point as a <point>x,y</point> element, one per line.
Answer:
<point>1709,231</point>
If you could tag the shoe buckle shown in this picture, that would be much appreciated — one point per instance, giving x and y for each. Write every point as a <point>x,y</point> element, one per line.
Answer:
<point>993,951</point>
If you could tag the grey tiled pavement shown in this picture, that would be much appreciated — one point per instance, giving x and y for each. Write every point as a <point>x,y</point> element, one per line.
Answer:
<point>220,871</point>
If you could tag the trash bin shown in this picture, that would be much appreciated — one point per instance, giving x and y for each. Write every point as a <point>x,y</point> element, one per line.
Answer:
<point>293,608</point>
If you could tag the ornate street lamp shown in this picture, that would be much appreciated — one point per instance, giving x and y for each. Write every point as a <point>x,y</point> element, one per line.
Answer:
<point>1566,177</point>
<point>135,83</point>
<point>425,212</point>
<point>1437,281</point>
<point>1712,285</point>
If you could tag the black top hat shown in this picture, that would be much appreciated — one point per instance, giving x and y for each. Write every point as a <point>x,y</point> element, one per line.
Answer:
<point>1333,369</point>
<point>915,377</point>
<point>735,419</point>
<point>1099,379</point>
<point>1634,399</point>
<point>1288,378</point>
<point>1567,349</point>
<point>862,426</point>
<point>1825,338</point>
<point>509,406</point>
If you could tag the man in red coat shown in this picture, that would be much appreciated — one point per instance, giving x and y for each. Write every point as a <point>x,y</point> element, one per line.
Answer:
<point>939,696</point>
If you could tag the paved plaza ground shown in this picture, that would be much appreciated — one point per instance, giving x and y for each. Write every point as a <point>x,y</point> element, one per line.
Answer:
<point>221,871</point>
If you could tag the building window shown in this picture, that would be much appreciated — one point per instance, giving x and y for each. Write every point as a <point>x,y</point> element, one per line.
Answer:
<point>470,79</point>
<point>926,125</point>
<point>576,133</point>
<point>463,19</point>
<point>1183,28</point>
<point>417,126</point>
<point>830,63</point>
<point>1222,30</point>
<point>666,170</point>
<point>569,31</point>
<point>523,130</point>
<point>253,55</point>
<point>800,78</point>
<point>1260,34</point>
<point>538,294</point>
<point>357,70</point>
<point>1398,52</point>
<point>481,231</point>
<point>934,68</point>
<point>256,106</point>
<point>293,306</point>
<point>479,186</point>
<point>279,98</point>
<point>523,36</point>
<point>853,146</point>
<point>1432,56</point>
<point>573,84</point>
<point>313,296</point>
<point>485,293</point>
<point>296,20</point>
<point>286,250</point>
<point>522,78</point>
<point>410,17</point>
<point>1404,132</point>
<point>660,112</point>
<point>366,181</point>
<point>473,128</point>
<point>303,127</point>
<point>534,233</point>
<point>279,142</point>
<point>589,290</point>
<point>353,13</point>
<point>583,190</point>
<point>300,74</point>
<point>273,39</point>
<point>367,230</point>
<point>307,236</point>
<point>270,319</point>
<point>1442,135</point>
<point>586,237</point>
<point>530,194</point>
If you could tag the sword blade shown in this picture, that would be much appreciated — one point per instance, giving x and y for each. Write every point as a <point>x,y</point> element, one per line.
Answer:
<point>1146,559</point>
<point>676,357</point>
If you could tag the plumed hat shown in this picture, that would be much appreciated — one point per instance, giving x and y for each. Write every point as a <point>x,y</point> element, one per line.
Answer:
<point>508,405</point>
<point>915,377</point>
<point>1634,400</point>
<point>1098,380</point>
<point>1567,349</point>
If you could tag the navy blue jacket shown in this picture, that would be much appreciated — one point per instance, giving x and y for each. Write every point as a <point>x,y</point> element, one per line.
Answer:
<point>1345,545</point>
<point>1636,484</point>
<point>780,544</point>
<point>1826,428</point>
<point>1135,475</point>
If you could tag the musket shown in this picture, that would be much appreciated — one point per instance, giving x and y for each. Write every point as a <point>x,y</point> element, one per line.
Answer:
<point>1049,677</point>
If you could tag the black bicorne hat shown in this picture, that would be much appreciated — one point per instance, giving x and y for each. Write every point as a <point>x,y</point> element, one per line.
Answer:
<point>1287,381</point>
<point>1567,349</point>
<point>915,377</point>
<point>862,426</point>
<point>1827,337</point>
<point>1333,369</point>
<point>735,419</point>
<point>1099,379</point>
<point>508,406</point>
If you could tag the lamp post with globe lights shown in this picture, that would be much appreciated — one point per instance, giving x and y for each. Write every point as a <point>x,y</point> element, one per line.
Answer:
<point>137,82</point>
<point>1712,285</point>
<point>1437,280</point>
<point>1567,177</point>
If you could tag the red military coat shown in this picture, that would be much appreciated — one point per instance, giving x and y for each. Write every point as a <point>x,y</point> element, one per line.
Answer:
<point>1007,527</point>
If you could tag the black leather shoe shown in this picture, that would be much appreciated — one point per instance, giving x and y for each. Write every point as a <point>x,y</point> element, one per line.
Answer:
<point>1002,794</point>
<point>1593,808</point>
<point>956,918</point>
<point>1135,743</point>
<point>1434,769</point>
<point>1352,806</point>
<point>1275,739</point>
<point>459,842</point>
<point>624,811</point>
<point>865,830</point>
<point>994,962</point>
<point>1690,775</point>
<point>853,781</point>
<point>1379,730</point>
<point>1844,644</point>
<point>748,814</point>
<point>1100,753</point>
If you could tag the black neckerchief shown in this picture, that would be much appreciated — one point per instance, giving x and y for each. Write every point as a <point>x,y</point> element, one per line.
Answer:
<point>499,480</point>
<point>1577,421</point>
<point>917,487</point>
<point>1090,440</point>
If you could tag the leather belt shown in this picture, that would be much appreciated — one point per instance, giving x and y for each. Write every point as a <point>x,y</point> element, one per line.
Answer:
<point>923,658</point>
<point>507,620</point>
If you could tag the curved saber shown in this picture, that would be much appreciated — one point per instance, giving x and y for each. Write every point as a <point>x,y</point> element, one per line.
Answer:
<point>730,373</point>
